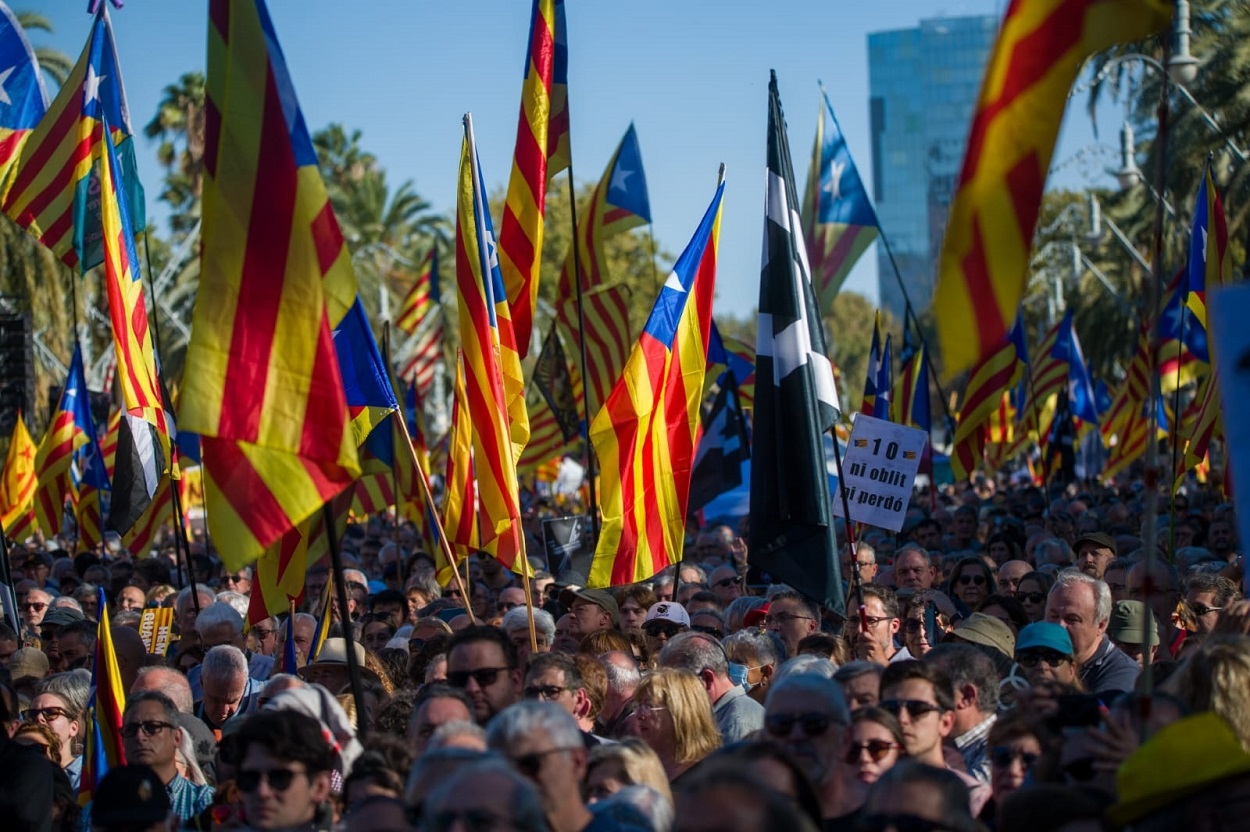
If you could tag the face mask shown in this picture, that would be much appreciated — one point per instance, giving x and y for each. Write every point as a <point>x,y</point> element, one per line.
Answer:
<point>738,675</point>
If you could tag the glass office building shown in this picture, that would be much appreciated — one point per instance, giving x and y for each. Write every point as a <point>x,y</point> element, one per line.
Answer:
<point>924,84</point>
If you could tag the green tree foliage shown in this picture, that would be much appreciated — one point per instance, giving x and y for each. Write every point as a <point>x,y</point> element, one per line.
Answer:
<point>179,126</point>
<point>56,65</point>
<point>848,333</point>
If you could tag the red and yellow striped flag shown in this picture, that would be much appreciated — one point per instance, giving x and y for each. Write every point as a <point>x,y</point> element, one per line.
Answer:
<point>541,152</point>
<point>992,378</point>
<point>108,445</point>
<point>68,430</point>
<point>262,385</point>
<point>17,485</point>
<point>1041,47</point>
<point>141,538</point>
<point>422,299</point>
<point>103,748</point>
<point>460,492</point>
<point>493,384</point>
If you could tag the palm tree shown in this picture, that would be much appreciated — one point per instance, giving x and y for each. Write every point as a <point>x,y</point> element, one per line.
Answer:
<point>55,64</point>
<point>179,125</point>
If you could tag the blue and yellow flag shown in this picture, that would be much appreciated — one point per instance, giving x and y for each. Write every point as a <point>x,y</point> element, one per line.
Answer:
<point>68,430</point>
<point>25,99</point>
<point>103,748</point>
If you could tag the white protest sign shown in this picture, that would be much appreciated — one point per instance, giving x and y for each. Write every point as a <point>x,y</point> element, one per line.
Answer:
<point>1228,309</point>
<point>878,471</point>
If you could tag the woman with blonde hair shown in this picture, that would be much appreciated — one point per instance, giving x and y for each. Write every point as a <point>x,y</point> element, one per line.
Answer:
<point>630,762</point>
<point>672,714</point>
<point>1216,677</point>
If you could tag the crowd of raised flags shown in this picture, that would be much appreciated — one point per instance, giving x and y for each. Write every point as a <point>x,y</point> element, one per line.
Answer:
<point>296,417</point>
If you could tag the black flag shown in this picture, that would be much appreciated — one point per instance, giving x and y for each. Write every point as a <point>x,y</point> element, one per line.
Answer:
<point>796,402</point>
<point>552,377</point>
<point>723,448</point>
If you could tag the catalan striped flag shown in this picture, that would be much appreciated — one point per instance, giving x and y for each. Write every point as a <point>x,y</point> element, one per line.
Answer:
<point>17,484</point>
<point>68,430</point>
<point>619,203</point>
<point>141,538</point>
<point>262,383</point>
<point>460,484</point>
<point>911,397</point>
<point>324,619</point>
<point>646,434</point>
<point>422,299</point>
<point>427,352</point>
<point>143,439</point>
<point>1048,375</point>
<point>91,483</point>
<point>1041,48</point>
<point>108,444</point>
<point>987,385</point>
<point>885,381</point>
<point>493,384</point>
<point>542,127</point>
<point>839,222</point>
<point>49,191</point>
<point>1181,350</point>
<point>278,576</point>
<point>868,406</point>
<point>25,98</point>
<point>103,748</point>
<point>1084,404</point>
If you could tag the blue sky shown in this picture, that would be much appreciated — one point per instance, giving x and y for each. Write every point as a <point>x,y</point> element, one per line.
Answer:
<point>691,74</point>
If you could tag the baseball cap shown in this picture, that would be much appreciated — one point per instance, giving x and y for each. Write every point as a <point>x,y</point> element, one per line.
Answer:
<point>756,616</point>
<point>987,631</point>
<point>668,611</point>
<point>1046,635</point>
<point>598,597</point>
<point>130,796</point>
<point>1128,624</point>
<point>1098,540</point>
<point>26,663</point>
<point>61,617</point>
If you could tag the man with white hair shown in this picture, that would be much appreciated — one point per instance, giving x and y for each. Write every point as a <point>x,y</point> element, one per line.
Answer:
<point>220,623</point>
<point>623,681</point>
<point>737,715</point>
<point>240,581</point>
<point>33,608</point>
<point>807,715</point>
<point>305,627</point>
<point>227,689</point>
<point>1081,604</point>
<point>516,624</point>
<point>185,612</point>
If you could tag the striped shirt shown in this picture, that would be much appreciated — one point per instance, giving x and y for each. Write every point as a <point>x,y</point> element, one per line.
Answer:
<point>186,800</point>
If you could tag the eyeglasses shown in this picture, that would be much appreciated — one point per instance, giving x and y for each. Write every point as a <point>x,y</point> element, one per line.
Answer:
<point>916,708</point>
<point>37,606</point>
<point>877,750</point>
<point>1002,757</point>
<point>709,631</point>
<point>1031,597</point>
<point>472,820</point>
<point>150,728</point>
<point>279,779</point>
<point>812,725</point>
<point>509,606</point>
<point>233,579</point>
<point>530,764</point>
<point>1032,658</point>
<point>966,579</point>
<point>649,710</point>
<point>874,620</point>
<point>1201,609</point>
<point>727,582</point>
<point>44,714</point>
<point>785,618</point>
<point>544,692</point>
<point>484,676</point>
<point>899,822</point>
<point>262,634</point>
<point>662,628</point>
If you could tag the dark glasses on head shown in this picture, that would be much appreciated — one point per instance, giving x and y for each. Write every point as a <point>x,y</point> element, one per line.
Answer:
<point>1001,757</point>
<point>916,708</point>
<point>812,725</point>
<point>484,676</point>
<point>877,750</point>
<point>973,578</point>
<point>279,779</point>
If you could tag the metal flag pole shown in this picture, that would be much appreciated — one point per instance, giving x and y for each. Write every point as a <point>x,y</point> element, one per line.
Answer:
<point>403,417</point>
<point>591,467</point>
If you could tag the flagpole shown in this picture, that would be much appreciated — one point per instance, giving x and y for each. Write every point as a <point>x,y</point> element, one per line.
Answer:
<point>182,549</point>
<point>581,339</point>
<point>525,586</point>
<point>854,578</point>
<point>340,587</point>
<point>1176,423</point>
<point>655,270</point>
<point>403,417</point>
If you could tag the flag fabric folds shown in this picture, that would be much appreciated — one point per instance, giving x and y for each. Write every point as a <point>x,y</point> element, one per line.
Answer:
<point>1041,48</point>
<point>552,378</point>
<point>460,484</point>
<point>493,383</point>
<point>796,400</point>
<point>521,231</point>
<point>423,298</point>
<point>143,440</point>
<point>884,384</point>
<point>103,722</point>
<point>868,405</point>
<point>92,485</point>
<point>141,538</point>
<point>17,485</point>
<point>68,430</point>
<point>25,98</point>
<point>50,189</point>
<point>646,433</point>
<point>839,222</point>
<point>983,395</point>
<point>262,383</point>
<point>724,446</point>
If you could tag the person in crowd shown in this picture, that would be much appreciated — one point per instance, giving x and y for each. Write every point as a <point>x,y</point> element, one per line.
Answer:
<point>915,795</point>
<point>874,744</point>
<point>913,569</point>
<point>186,612</point>
<point>1082,606</point>
<point>865,560</point>
<point>26,787</point>
<point>1007,609</point>
<point>1044,653</point>
<point>284,770</point>
<point>228,690</point>
<point>61,704</point>
<point>555,677</point>
<point>633,601</point>
<point>860,682</point>
<point>482,792</point>
<point>174,685</point>
<point>1094,551</point>
<point>482,662</point>
<point>1014,746</point>
<point>591,609</point>
<point>664,620</point>
<point>220,623</point>
<point>1132,632</point>
<point>1216,678</point>
<point>876,643</point>
<point>737,715</point>
<point>1032,592</point>
<point>756,653</point>
<point>630,762</point>
<point>436,705</point>
<point>792,616</point>
<point>673,716</point>
<point>807,716</point>
<point>1205,597</point>
<point>970,582</point>
<point>1010,574</point>
<point>725,800</point>
<point>974,680</point>
<point>516,624</point>
<point>726,583</point>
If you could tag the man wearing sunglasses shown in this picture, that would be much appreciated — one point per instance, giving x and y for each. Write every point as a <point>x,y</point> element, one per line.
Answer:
<point>923,699</point>
<point>807,715</point>
<point>284,771</point>
<point>726,583</point>
<point>482,662</point>
<point>151,737</point>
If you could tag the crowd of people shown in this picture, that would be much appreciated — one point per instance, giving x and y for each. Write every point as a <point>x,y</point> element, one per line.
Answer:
<point>1011,660</point>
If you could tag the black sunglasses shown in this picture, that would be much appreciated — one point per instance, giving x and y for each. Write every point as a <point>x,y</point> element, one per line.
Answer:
<point>150,728</point>
<point>812,725</point>
<point>708,631</point>
<point>484,676</point>
<point>916,708</point>
<point>666,628</point>
<point>1032,658</point>
<point>279,779</point>
<point>726,582</point>
<point>1001,757</point>
<point>965,579</point>
<point>1031,597</point>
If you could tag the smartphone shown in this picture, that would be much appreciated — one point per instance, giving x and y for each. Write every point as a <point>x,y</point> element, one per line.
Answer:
<point>930,624</point>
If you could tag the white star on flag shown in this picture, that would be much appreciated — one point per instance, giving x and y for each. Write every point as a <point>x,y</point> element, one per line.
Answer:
<point>4,77</point>
<point>618,179</point>
<point>91,87</point>
<point>834,185</point>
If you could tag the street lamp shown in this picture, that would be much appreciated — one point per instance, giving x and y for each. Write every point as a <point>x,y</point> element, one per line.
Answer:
<point>1128,174</point>
<point>1182,66</point>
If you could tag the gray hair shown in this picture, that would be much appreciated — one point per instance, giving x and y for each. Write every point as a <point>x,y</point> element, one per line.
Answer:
<point>72,687</point>
<point>1102,593</point>
<point>758,644</point>
<point>805,664</point>
<point>456,728</point>
<point>526,812</point>
<point>736,611</point>
<point>299,616</point>
<point>621,679</point>
<point>237,600</point>
<point>126,618</point>
<point>695,652</point>
<point>1053,544</point>
<point>167,704</point>
<point>219,612</point>
<point>184,597</point>
<point>821,688</point>
<point>225,661</point>
<point>853,670</point>
<point>425,583</point>
<point>967,665</point>
<point>169,682</point>
<point>65,601</point>
<point>86,590</point>
<point>652,805</point>
<point>532,718</point>
<point>518,619</point>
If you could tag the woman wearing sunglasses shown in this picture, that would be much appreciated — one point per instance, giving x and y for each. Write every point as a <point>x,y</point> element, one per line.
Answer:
<point>61,711</point>
<point>1031,592</point>
<point>874,743</point>
<point>1014,746</point>
<point>971,581</point>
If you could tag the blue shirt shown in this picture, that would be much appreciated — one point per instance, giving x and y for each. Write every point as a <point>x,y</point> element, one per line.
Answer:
<point>186,800</point>
<point>74,772</point>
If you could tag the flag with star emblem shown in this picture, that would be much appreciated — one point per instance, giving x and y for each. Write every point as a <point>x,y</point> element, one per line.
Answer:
<point>796,399</point>
<point>23,98</point>
<point>17,485</point>
<point>51,189</point>
<point>1181,350</point>
<point>91,481</point>
<point>646,434</point>
<point>839,222</point>
<point>68,430</point>
<point>1041,47</point>
<point>723,447</point>
<point>868,405</point>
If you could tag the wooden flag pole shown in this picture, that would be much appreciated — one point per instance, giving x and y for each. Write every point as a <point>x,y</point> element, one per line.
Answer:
<point>349,637</point>
<point>525,585</point>
<point>581,339</point>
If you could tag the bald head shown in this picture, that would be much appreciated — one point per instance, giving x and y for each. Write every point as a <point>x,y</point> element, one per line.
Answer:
<point>1010,573</point>
<point>168,681</point>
